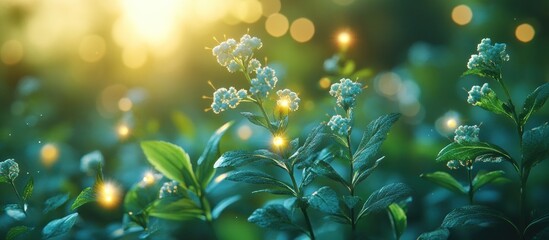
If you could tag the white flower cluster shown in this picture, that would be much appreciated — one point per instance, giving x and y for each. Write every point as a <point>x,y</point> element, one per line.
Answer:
<point>264,82</point>
<point>340,124</point>
<point>232,54</point>
<point>169,189</point>
<point>489,56</point>
<point>467,134</point>
<point>9,169</point>
<point>345,91</point>
<point>224,99</point>
<point>291,99</point>
<point>476,93</point>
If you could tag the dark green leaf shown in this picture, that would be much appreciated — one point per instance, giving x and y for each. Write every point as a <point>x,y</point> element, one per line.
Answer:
<point>323,168</point>
<point>382,198</point>
<point>59,227</point>
<point>205,169</point>
<point>538,221</point>
<point>170,160</point>
<point>275,191</point>
<point>362,175</point>
<point>490,102</point>
<point>256,119</point>
<point>398,219</point>
<point>325,200</point>
<point>351,201</point>
<point>542,235</point>
<point>445,180</point>
<point>223,204</point>
<point>87,195</point>
<point>302,156</point>
<point>474,215</point>
<point>140,197</point>
<point>240,158</point>
<point>483,178</point>
<point>17,231</point>
<point>256,178</point>
<point>372,139</point>
<point>27,191</point>
<point>55,202</point>
<point>307,177</point>
<point>439,234</point>
<point>535,145</point>
<point>477,151</point>
<point>484,72</point>
<point>273,216</point>
<point>338,219</point>
<point>534,102</point>
<point>178,209</point>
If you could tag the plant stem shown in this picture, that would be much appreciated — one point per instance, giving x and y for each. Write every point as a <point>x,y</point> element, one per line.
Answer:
<point>351,185</point>
<point>303,208</point>
<point>470,179</point>
<point>207,211</point>
<point>21,201</point>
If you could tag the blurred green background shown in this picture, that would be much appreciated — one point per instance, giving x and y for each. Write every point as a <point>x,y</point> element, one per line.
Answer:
<point>79,76</point>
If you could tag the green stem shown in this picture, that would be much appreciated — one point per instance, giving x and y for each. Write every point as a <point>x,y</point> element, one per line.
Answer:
<point>207,211</point>
<point>470,179</point>
<point>303,208</point>
<point>21,201</point>
<point>351,185</point>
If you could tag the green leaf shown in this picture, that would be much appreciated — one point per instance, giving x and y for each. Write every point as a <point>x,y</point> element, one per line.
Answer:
<point>15,211</point>
<point>540,220</point>
<point>372,139</point>
<point>363,73</point>
<point>483,178</point>
<point>27,191</point>
<point>484,72</point>
<point>205,169</point>
<point>398,219</point>
<point>474,215</point>
<point>183,124</point>
<point>385,196</point>
<point>17,231</point>
<point>359,177</point>
<point>534,102</point>
<point>240,158</point>
<point>302,157</point>
<point>445,180</point>
<point>55,202</point>
<point>176,209</point>
<point>170,160</point>
<point>274,216</point>
<point>351,201</point>
<point>223,204</point>
<point>348,69</point>
<point>325,200</point>
<point>439,234</point>
<point>490,102</point>
<point>87,195</point>
<point>535,145</point>
<point>542,235</point>
<point>3,179</point>
<point>140,197</point>
<point>323,168</point>
<point>257,178</point>
<point>256,119</point>
<point>59,227</point>
<point>477,151</point>
<point>275,191</point>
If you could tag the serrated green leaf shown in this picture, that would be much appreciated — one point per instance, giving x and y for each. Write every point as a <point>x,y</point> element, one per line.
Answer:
<point>87,195</point>
<point>170,160</point>
<point>273,216</point>
<point>351,201</point>
<point>398,219</point>
<point>361,176</point>
<point>325,199</point>
<point>307,177</point>
<point>176,209</point>
<point>275,191</point>
<point>240,158</point>
<point>59,227</point>
<point>385,196</point>
<point>27,191</point>
<point>257,178</point>
<point>477,151</point>
<point>490,102</point>
<point>445,180</point>
<point>302,157</point>
<point>535,145</point>
<point>323,168</point>
<point>55,202</point>
<point>205,169</point>
<point>140,197</point>
<point>257,120</point>
<point>372,139</point>
<point>439,234</point>
<point>483,72</point>
<point>17,231</point>
<point>534,102</point>
<point>223,204</point>
<point>483,178</point>
<point>474,215</point>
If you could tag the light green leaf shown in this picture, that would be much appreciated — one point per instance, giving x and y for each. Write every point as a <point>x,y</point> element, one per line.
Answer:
<point>385,196</point>
<point>535,145</point>
<point>176,209</point>
<point>59,227</point>
<point>170,160</point>
<point>398,219</point>
<point>445,180</point>
<point>17,231</point>
<point>325,200</point>
<point>240,158</point>
<point>183,124</point>
<point>490,102</point>
<point>257,120</point>
<point>477,151</point>
<point>87,195</point>
<point>55,202</point>
<point>483,72</point>
<point>439,234</point>
<point>348,69</point>
<point>363,73</point>
<point>27,191</point>
<point>534,102</point>
<point>273,216</point>
<point>483,178</point>
<point>257,178</point>
<point>475,215</point>
<point>205,169</point>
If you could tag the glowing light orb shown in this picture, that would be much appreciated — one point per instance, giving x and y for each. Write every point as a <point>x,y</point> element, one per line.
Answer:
<point>125,104</point>
<point>344,39</point>
<point>462,14</point>
<point>108,195</point>
<point>244,132</point>
<point>525,32</point>
<point>277,25</point>
<point>123,130</point>
<point>451,123</point>
<point>278,141</point>
<point>49,153</point>
<point>302,30</point>
<point>149,178</point>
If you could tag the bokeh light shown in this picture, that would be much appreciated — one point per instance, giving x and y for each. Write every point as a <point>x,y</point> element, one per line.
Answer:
<point>447,123</point>
<point>49,153</point>
<point>302,30</point>
<point>11,52</point>
<point>148,178</point>
<point>248,11</point>
<point>462,14</point>
<point>277,25</point>
<point>344,39</point>
<point>324,83</point>
<point>125,104</point>
<point>388,84</point>
<point>270,7</point>
<point>244,132</point>
<point>123,130</point>
<point>278,141</point>
<point>92,48</point>
<point>108,195</point>
<point>525,32</point>
<point>134,56</point>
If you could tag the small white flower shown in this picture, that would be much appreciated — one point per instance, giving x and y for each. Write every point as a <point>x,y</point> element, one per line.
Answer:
<point>289,98</point>
<point>345,92</point>
<point>467,134</point>
<point>9,169</point>
<point>264,82</point>
<point>476,93</point>
<point>224,99</point>
<point>169,189</point>
<point>489,56</point>
<point>340,124</point>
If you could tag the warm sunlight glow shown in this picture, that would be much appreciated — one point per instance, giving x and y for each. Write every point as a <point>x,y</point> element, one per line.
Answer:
<point>148,178</point>
<point>125,104</point>
<point>123,130</point>
<point>108,195</point>
<point>344,39</point>
<point>462,15</point>
<point>278,141</point>
<point>277,25</point>
<point>244,132</point>
<point>220,178</point>
<point>525,32</point>
<point>11,52</point>
<point>285,103</point>
<point>134,56</point>
<point>302,30</point>
<point>451,123</point>
<point>270,7</point>
<point>49,154</point>
<point>92,48</point>
<point>324,83</point>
